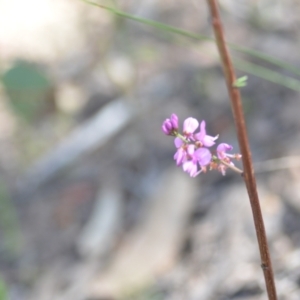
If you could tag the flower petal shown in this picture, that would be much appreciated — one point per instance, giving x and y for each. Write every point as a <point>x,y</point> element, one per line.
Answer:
<point>191,168</point>
<point>221,150</point>
<point>203,156</point>
<point>190,125</point>
<point>178,142</point>
<point>180,156</point>
<point>202,133</point>
<point>208,140</point>
<point>202,127</point>
<point>165,130</point>
<point>191,150</point>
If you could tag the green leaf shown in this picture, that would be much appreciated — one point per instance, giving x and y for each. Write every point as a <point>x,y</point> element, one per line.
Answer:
<point>240,82</point>
<point>27,89</point>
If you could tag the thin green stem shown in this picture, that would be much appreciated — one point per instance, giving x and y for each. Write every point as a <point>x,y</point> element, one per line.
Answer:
<point>245,50</point>
<point>151,23</point>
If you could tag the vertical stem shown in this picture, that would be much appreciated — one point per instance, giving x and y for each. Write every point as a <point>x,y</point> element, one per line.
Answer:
<point>250,182</point>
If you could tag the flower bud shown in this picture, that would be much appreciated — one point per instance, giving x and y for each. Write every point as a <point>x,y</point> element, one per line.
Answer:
<point>174,121</point>
<point>167,127</point>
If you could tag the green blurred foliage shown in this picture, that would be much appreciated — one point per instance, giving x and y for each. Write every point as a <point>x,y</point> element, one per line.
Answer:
<point>146,293</point>
<point>27,88</point>
<point>10,231</point>
<point>3,290</point>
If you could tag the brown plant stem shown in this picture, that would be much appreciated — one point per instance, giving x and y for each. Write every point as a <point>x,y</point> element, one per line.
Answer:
<point>250,182</point>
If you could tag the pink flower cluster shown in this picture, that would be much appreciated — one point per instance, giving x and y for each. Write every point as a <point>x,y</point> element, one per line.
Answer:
<point>193,152</point>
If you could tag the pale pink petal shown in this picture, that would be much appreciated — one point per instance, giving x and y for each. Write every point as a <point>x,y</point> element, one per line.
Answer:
<point>191,168</point>
<point>208,140</point>
<point>191,150</point>
<point>180,156</point>
<point>190,125</point>
<point>205,139</point>
<point>200,136</point>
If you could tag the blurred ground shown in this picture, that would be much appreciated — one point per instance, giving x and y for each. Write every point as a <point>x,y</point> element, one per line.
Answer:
<point>92,204</point>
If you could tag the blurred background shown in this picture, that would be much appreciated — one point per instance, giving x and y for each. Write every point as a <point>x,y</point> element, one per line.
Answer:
<point>92,205</point>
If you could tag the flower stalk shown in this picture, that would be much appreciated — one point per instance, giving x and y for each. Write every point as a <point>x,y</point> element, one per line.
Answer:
<point>234,168</point>
<point>248,174</point>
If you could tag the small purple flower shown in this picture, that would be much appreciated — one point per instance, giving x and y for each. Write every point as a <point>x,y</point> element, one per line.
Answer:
<point>191,166</point>
<point>201,156</point>
<point>189,126</point>
<point>222,149</point>
<point>206,140</point>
